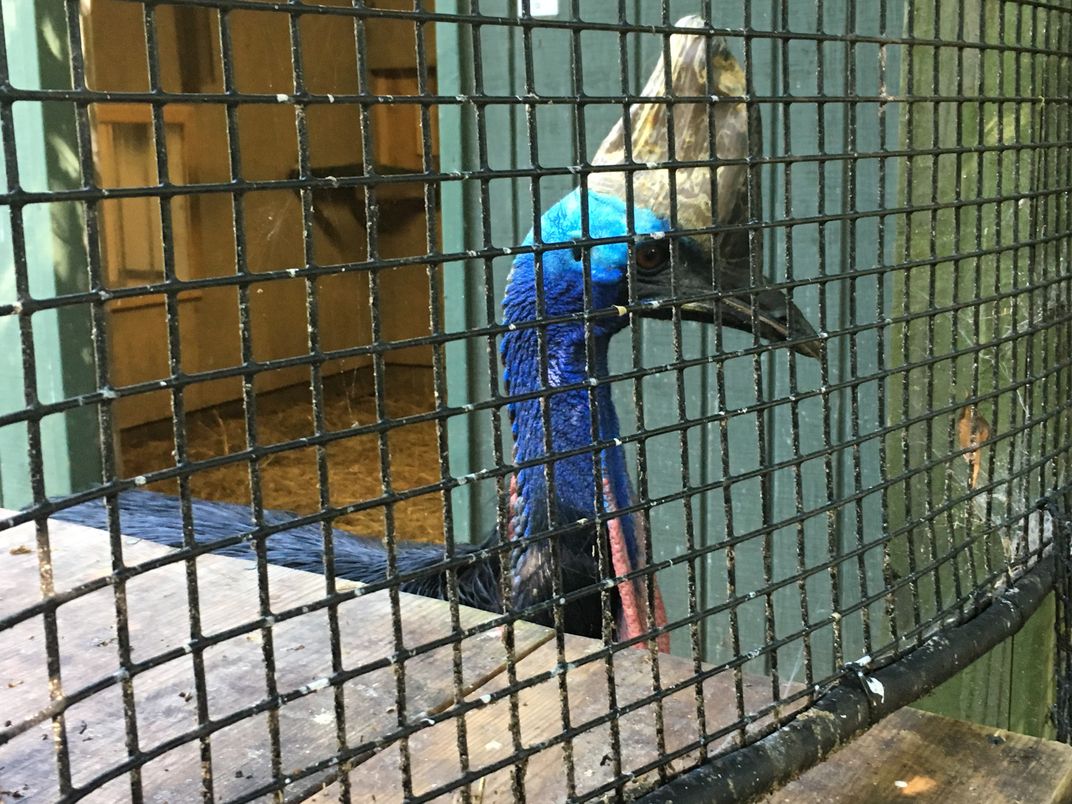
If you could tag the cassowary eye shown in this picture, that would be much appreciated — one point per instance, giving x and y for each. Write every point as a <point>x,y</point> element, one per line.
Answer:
<point>652,255</point>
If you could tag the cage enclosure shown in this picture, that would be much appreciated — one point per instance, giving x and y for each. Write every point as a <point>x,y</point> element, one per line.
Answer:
<point>525,399</point>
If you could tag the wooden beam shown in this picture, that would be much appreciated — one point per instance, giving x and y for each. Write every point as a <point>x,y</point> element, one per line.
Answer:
<point>435,759</point>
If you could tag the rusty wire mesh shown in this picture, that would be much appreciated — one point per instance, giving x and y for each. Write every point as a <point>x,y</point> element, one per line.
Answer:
<point>812,523</point>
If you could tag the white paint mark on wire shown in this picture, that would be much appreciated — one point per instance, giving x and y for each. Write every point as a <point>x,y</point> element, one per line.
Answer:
<point>538,8</point>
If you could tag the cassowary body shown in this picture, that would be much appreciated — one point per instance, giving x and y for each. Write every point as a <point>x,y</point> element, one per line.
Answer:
<point>563,484</point>
<point>534,510</point>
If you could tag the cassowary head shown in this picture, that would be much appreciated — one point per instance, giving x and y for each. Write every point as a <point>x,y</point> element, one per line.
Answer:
<point>668,238</point>
<point>712,270</point>
<point>564,270</point>
<point>705,289</point>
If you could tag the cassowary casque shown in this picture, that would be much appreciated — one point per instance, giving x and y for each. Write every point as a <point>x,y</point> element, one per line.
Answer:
<point>639,241</point>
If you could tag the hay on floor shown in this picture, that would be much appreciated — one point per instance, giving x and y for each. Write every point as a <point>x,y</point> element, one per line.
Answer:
<point>288,480</point>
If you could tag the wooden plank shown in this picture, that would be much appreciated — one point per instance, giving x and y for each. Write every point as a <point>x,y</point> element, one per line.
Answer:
<point>935,759</point>
<point>164,695</point>
<point>917,756</point>
<point>434,754</point>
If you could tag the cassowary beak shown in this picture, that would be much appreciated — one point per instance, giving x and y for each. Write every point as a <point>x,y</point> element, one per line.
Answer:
<point>728,294</point>
<point>766,312</point>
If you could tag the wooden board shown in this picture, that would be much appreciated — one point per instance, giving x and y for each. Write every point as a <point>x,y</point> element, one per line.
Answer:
<point>911,754</point>
<point>434,753</point>
<point>919,757</point>
<point>234,668</point>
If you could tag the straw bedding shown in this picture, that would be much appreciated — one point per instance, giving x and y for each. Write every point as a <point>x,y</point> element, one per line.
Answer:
<point>289,479</point>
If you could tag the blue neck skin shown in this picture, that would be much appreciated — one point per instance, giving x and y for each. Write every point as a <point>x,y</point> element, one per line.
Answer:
<point>569,412</point>
<point>570,418</point>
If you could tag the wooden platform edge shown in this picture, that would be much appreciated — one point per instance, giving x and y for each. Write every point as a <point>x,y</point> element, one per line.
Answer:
<point>917,756</point>
<point>849,709</point>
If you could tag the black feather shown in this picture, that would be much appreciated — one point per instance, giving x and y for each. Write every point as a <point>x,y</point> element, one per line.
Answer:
<point>154,517</point>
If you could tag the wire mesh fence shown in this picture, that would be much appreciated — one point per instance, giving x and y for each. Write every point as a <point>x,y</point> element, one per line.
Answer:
<point>268,299</point>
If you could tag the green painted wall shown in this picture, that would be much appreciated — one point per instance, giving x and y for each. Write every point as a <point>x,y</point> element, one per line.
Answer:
<point>36,38</point>
<point>1003,687</point>
<point>1018,261</point>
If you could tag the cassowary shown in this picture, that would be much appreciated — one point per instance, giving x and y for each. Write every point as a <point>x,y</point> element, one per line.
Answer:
<point>638,267</point>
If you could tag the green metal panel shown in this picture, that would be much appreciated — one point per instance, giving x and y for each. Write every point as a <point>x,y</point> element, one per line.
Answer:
<point>1004,688</point>
<point>993,690</point>
<point>55,247</point>
<point>749,502</point>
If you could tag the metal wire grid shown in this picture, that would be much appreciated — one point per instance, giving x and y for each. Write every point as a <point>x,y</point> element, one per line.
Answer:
<point>896,615</point>
<point>1062,707</point>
